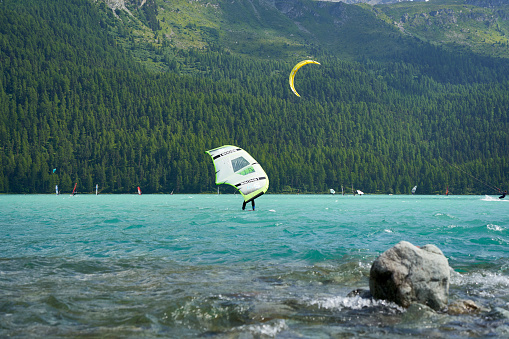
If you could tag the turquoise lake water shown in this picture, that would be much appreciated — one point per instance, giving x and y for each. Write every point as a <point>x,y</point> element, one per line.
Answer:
<point>184,266</point>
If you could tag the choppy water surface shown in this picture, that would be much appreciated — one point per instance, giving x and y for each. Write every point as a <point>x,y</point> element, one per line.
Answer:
<point>194,266</point>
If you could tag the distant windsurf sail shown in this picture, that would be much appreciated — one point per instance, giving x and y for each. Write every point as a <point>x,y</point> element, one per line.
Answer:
<point>414,189</point>
<point>139,190</point>
<point>332,191</point>
<point>237,168</point>
<point>56,189</point>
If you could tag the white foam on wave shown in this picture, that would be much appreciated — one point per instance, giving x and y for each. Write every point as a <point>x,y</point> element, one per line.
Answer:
<point>452,226</point>
<point>444,215</point>
<point>481,280</point>
<point>269,329</point>
<point>495,227</point>
<point>490,198</point>
<point>354,303</point>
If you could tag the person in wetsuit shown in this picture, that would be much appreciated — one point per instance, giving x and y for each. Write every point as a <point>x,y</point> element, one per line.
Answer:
<point>500,197</point>
<point>245,203</point>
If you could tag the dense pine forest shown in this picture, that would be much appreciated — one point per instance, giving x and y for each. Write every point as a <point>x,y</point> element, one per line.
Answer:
<point>73,99</point>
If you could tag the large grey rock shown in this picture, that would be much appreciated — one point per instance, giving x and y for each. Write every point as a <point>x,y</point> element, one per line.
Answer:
<point>407,274</point>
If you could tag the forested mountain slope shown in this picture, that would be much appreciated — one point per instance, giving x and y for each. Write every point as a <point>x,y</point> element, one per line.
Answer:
<point>74,97</point>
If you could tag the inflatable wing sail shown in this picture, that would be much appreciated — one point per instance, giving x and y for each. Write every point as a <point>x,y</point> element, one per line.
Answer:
<point>295,69</point>
<point>237,168</point>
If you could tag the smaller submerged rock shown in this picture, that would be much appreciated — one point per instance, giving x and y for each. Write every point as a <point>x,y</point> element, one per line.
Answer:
<point>418,313</point>
<point>360,292</point>
<point>406,274</point>
<point>499,313</point>
<point>464,307</point>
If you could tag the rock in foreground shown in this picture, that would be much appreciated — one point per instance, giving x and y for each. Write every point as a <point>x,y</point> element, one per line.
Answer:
<point>407,274</point>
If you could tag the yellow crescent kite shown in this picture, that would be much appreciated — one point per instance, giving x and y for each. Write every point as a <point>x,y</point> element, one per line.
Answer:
<point>295,69</point>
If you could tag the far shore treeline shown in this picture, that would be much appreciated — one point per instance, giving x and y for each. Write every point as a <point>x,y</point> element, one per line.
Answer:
<point>74,100</point>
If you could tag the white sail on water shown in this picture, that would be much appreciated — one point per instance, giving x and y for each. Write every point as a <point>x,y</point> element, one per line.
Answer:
<point>414,189</point>
<point>235,167</point>
<point>332,191</point>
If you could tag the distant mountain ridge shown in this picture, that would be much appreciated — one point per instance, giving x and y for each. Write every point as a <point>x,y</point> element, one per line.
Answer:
<point>488,3</point>
<point>477,26</point>
<point>373,2</point>
<point>300,28</point>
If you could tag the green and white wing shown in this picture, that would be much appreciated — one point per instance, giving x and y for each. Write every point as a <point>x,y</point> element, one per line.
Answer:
<point>235,167</point>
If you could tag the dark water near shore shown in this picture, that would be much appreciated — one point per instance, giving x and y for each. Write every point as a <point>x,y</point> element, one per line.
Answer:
<point>197,266</point>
